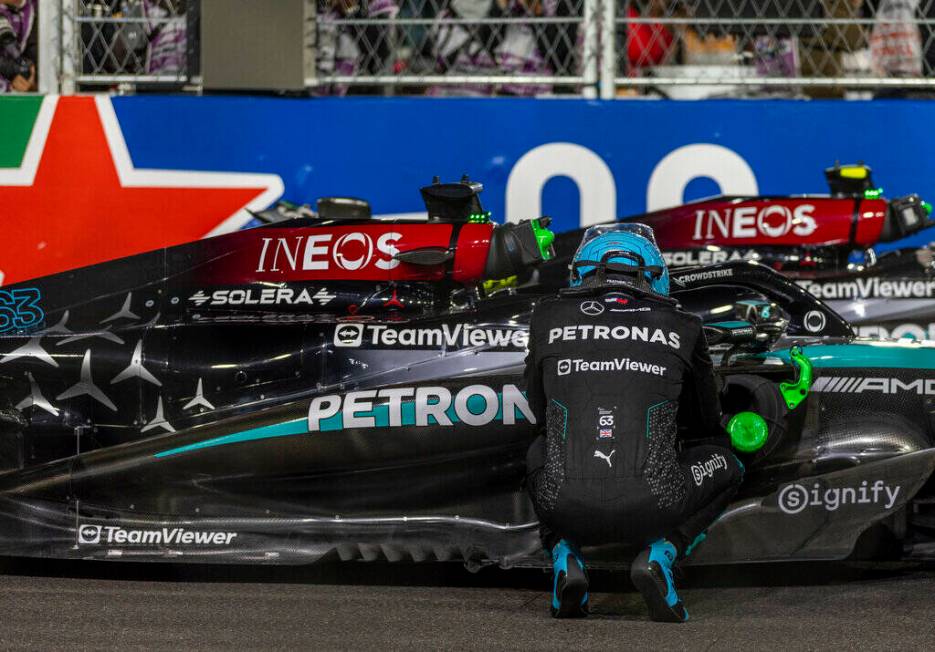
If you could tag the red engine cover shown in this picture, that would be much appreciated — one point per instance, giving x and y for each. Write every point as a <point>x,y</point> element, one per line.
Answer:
<point>769,222</point>
<point>359,252</point>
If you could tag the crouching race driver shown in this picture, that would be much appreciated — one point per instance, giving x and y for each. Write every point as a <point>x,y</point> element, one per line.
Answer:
<point>614,367</point>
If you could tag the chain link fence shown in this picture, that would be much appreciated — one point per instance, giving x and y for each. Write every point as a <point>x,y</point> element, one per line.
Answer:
<point>675,48</point>
<point>458,47</point>
<point>138,42</point>
<point>822,48</point>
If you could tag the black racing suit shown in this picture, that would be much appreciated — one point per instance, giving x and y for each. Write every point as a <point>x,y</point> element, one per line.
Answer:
<point>611,374</point>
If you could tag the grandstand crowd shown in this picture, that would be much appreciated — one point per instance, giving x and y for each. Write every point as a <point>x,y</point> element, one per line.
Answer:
<point>886,38</point>
<point>540,39</point>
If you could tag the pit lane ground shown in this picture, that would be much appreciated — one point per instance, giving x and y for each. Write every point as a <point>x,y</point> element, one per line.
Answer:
<point>89,605</point>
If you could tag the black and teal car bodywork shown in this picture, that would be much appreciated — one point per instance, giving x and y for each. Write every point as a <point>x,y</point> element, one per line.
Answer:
<point>141,421</point>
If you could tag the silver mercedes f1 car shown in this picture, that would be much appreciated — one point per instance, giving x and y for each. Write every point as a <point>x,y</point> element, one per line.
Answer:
<point>337,387</point>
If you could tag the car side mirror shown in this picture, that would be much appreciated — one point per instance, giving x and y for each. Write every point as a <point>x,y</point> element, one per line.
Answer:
<point>729,332</point>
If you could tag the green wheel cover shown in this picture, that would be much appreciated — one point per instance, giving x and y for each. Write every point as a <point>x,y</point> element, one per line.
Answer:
<point>748,431</point>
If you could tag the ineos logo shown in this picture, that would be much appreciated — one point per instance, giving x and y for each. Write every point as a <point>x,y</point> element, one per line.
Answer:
<point>592,308</point>
<point>350,252</point>
<point>771,221</point>
<point>89,534</point>
<point>774,230</point>
<point>815,321</point>
<point>352,264</point>
<point>349,335</point>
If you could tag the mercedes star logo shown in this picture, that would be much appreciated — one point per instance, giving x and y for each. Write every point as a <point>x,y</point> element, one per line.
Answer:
<point>592,308</point>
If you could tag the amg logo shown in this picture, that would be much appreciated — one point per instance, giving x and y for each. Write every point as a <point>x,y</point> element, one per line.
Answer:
<point>871,288</point>
<point>851,385</point>
<point>685,279</point>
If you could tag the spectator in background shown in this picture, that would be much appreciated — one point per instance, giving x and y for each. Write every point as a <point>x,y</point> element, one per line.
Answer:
<point>517,49</point>
<point>895,41</point>
<point>151,40</point>
<point>708,47</point>
<point>465,50</point>
<point>166,36</point>
<point>18,46</point>
<point>776,56</point>
<point>821,54</point>
<point>536,49</point>
<point>98,39</point>
<point>352,49</point>
<point>927,31</point>
<point>648,44</point>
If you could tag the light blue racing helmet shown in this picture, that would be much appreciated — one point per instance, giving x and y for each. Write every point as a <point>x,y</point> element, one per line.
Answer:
<point>620,254</point>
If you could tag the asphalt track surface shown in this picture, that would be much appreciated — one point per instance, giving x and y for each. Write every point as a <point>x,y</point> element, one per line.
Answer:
<point>90,605</point>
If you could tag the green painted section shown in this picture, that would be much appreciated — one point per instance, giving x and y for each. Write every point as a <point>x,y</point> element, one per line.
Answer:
<point>17,117</point>
<point>795,393</point>
<point>544,238</point>
<point>869,355</point>
<point>748,431</point>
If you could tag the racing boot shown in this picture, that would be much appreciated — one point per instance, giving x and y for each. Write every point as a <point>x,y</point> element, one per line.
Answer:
<point>570,583</point>
<point>651,573</point>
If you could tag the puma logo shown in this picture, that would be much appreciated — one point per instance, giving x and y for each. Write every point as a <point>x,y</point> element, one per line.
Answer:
<point>606,458</point>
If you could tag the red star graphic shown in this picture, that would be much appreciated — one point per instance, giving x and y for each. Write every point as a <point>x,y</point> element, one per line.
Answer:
<point>87,204</point>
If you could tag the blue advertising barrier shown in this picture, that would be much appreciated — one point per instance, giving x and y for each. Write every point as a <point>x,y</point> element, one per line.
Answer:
<point>579,161</point>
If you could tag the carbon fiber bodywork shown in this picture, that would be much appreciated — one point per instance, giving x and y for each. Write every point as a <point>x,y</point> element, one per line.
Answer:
<point>848,249</point>
<point>147,416</point>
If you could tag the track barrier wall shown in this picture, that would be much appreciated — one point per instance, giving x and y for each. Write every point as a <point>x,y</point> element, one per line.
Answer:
<point>579,161</point>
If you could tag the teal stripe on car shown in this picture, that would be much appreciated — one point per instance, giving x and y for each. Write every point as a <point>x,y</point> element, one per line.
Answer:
<point>294,427</point>
<point>870,355</point>
<point>380,414</point>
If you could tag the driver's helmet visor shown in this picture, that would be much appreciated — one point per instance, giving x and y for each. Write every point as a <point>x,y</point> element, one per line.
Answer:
<point>618,227</point>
